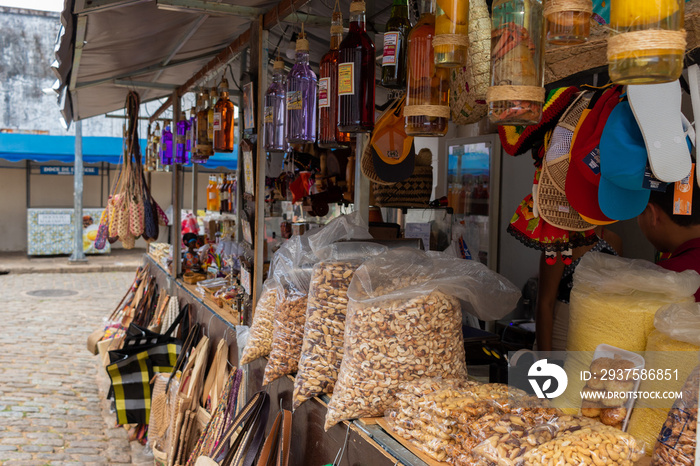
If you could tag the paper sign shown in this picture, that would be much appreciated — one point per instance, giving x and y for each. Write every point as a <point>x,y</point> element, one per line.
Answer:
<point>419,230</point>
<point>53,219</point>
<point>245,281</point>
<point>683,195</point>
<point>592,160</point>
<point>651,182</point>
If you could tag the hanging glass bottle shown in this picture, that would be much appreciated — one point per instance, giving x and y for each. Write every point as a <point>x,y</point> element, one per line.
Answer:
<point>301,96</point>
<point>223,120</point>
<point>203,149</point>
<point>356,75</point>
<point>213,99</point>
<point>274,111</point>
<point>191,141</point>
<point>181,139</point>
<point>394,54</point>
<point>329,136</point>
<point>517,92</point>
<point>647,42</point>
<point>166,146</point>
<point>568,21</point>
<point>451,32</point>
<point>427,108</point>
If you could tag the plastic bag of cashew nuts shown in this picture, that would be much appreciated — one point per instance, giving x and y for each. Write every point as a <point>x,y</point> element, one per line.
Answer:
<point>404,322</point>
<point>677,441</point>
<point>322,349</point>
<point>596,445</point>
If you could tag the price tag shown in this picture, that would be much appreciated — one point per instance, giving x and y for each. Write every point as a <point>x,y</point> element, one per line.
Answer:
<point>245,281</point>
<point>419,230</point>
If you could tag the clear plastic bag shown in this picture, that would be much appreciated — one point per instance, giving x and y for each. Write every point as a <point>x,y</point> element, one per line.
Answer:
<point>404,323</point>
<point>597,444</point>
<point>680,322</point>
<point>612,293</point>
<point>677,440</point>
<point>260,339</point>
<point>322,350</point>
<point>293,275</point>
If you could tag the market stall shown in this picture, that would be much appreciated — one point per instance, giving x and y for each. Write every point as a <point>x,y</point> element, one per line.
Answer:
<point>362,325</point>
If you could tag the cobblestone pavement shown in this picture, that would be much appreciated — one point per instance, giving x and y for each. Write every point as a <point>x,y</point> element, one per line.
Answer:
<point>51,388</point>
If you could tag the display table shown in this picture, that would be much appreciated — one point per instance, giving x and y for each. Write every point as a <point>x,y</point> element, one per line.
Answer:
<point>364,444</point>
<point>50,231</point>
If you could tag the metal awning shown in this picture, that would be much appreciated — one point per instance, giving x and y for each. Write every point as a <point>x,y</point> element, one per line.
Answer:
<point>106,47</point>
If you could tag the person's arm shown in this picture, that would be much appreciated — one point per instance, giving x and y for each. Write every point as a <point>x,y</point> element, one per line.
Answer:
<point>550,276</point>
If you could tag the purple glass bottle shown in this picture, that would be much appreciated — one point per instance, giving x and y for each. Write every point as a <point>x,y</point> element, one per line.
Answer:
<point>191,134</point>
<point>275,111</point>
<point>301,97</point>
<point>166,146</point>
<point>180,139</point>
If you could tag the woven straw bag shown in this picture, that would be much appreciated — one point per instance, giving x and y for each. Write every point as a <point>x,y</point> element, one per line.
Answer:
<point>136,216</point>
<point>468,85</point>
<point>415,191</point>
<point>112,208</point>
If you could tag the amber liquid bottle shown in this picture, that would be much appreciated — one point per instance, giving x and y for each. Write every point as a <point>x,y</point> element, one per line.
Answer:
<point>394,55</point>
<point>428,87</point>
<point>203,149</point>
<point>329,136</point>
<point>356,75</point>
<point>223,121</point>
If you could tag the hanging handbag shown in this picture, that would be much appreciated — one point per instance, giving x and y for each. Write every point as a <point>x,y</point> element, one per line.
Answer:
<point>131,369</point>
<point>275,451</point>
<point>245,436</point>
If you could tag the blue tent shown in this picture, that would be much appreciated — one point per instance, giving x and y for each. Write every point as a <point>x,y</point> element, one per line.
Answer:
<point>46,148</point>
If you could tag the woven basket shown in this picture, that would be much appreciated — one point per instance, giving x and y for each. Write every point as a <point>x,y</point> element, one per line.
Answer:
<point>160,458</point>
<point>468,85</point>
<point>412,192</point>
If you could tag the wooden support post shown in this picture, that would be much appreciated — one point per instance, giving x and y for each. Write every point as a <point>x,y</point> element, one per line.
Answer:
<point>258,65</point>
<point>361,181</point>
<point>176,227</point>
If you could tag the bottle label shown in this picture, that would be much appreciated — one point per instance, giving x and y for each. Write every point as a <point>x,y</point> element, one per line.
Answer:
<point>217,121</point>
<point>212,195</point>
<point>391,43</point>
<point>294,101</point>
<point>180,139</point>
<point>269,112</point>
<point>324,85</point>
<point>346,78</point>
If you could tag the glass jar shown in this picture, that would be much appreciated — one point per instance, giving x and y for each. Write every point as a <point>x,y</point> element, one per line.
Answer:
<point>568,21</point>
<point>451,32</point>
<point>647,43</point>
<point>427,108</point>
<point>516,95</point>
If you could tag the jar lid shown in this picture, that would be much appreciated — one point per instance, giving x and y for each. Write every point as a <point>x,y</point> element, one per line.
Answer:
<point>358,6</point>
<point>278,65</point>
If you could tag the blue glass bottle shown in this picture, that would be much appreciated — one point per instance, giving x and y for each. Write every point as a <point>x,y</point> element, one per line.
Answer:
<point>181,138</point>
<point>166,146</point>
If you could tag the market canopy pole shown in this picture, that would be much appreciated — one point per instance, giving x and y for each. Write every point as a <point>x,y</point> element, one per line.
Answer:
<point>78,253</point>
